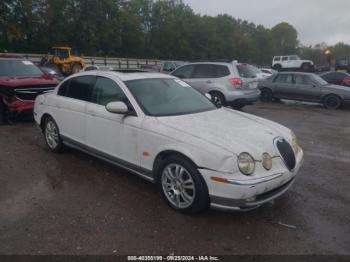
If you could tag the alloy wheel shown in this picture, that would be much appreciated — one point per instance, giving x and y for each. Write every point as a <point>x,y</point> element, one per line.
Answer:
<point>51,134</point>
<point>178,186</point>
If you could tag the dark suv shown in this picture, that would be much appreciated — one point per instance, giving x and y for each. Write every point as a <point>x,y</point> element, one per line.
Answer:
<point>20,82</point>
<point>342,64</point>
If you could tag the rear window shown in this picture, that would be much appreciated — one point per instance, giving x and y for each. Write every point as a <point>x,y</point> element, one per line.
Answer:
<point>246,71</point>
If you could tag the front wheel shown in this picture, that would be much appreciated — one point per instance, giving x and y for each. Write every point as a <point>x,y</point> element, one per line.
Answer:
<point>305,67</point>
<point>183,186</point>
<point>52,135</point>
<point>332,102</point>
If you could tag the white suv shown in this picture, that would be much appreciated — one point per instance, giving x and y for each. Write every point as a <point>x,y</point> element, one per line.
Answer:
<point>163,130</point>
<point>291,62</point>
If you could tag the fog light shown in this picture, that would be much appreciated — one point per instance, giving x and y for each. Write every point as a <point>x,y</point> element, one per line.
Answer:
<point>251,199</point>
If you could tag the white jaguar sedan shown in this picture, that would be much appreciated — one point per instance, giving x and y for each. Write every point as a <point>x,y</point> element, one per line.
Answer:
<point>161,129</point>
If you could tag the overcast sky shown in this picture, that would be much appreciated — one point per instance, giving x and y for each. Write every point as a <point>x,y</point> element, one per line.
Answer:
<point>315,20</point>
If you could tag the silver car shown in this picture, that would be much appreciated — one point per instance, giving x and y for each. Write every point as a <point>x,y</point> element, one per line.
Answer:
<point>304,87</point>
<point>229,83</point>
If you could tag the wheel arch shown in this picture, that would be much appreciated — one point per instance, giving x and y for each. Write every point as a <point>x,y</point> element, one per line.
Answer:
<point>42,120</point>
<point>163,155</point>
<point>332,94</point>
<point>217,90</point>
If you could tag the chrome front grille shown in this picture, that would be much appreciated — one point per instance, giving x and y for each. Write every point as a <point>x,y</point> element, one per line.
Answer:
<point>29,94</point>
<point>286,152</point>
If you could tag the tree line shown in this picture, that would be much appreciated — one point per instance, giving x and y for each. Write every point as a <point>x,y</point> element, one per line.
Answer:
<point>163,29</point>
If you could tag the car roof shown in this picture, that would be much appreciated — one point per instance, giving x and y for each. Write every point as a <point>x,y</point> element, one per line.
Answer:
<point>125,76</point>
<point>296,73</point>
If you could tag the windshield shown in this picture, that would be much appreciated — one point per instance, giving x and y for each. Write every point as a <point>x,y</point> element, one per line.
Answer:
<point>166,97</point>
<point>319,80</point>
<point>246,71</point>
<point>18,68</point>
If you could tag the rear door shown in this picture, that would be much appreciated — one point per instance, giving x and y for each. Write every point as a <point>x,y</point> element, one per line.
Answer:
<point>209,77</point>
<point>70,105</point>
<point>283,86</point>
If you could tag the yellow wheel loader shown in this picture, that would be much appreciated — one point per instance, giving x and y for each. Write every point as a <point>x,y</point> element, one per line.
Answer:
<point>62,60</point>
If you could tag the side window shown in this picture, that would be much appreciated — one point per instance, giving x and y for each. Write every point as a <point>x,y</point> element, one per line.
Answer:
<point>285,58</point>
<point>80,87</point>
<point>221,71</point>
<point>284,79</point>
<point>277,58</point>
<point>328,77</point>
<point>302,80</point>
<point>184,71</point>
<point>204,71</point>
<point>62,91</point>
<point>106,90</point>
<point>168,66</point>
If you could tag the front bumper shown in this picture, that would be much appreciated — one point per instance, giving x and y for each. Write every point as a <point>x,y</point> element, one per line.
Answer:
<point>223,203</point>
<point>250,193</point>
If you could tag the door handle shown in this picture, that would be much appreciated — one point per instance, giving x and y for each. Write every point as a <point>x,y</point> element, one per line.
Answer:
<point>209,81</point>
<point>58,105</point>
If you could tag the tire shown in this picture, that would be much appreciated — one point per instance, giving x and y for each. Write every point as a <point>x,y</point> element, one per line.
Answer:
<point>177,172</point>
<point>76,68</point>
<point>332,102</point>
<point>52,135</point>
<point>266,95</point>
<point>305,67</point>
<point>218,99</point>
<point>277,67</point>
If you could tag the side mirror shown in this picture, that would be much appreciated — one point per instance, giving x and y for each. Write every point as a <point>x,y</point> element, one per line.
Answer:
<point>117,107</point>
<point>208,96</point>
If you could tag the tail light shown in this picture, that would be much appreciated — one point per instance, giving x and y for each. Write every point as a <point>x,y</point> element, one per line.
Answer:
<point>236,82</point>
<point>346,81</point>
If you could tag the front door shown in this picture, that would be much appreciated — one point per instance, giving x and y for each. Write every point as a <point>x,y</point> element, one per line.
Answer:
<point>306,89</point>
<point>112,135</point>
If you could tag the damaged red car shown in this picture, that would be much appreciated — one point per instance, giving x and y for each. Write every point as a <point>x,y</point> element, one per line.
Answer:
<point>20,83</point>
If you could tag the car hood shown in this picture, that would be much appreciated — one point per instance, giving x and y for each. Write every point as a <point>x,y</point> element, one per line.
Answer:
<point>231,130</point>
<point>337,87</point>
<point>28,81</point>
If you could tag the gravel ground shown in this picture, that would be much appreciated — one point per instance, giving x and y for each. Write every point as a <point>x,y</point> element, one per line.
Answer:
<point>72,203</point>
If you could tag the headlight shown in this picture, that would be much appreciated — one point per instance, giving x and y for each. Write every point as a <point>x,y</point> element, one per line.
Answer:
<point>294,144</point>
<point>267,161</point>
<point>246,164</point>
